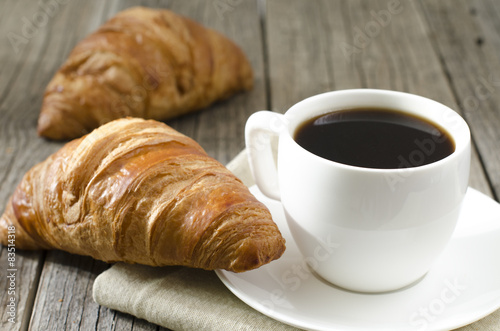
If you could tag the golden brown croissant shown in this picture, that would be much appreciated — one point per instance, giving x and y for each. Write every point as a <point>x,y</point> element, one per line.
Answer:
<point>138,191</point>
<point>146,63</point>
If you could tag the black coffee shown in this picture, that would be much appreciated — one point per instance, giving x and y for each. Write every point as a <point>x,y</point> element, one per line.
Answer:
<point>375,138</point>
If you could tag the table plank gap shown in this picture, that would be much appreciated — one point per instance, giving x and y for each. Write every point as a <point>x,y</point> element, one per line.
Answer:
<point>471,67</point>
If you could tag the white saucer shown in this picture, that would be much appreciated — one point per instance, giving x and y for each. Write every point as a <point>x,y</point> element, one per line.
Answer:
<point>462,287</point>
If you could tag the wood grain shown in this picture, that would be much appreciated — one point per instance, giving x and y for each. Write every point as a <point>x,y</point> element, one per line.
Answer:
<point>61,283</point>
<point>467,40</point>
<point>347,46</point>
<point>446,50</point>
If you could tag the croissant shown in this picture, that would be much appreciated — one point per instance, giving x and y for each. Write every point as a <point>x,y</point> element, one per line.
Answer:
<point>138,191</point>
<point>147,63</point>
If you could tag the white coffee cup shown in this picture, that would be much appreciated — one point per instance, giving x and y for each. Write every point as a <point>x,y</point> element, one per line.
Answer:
<point>362,229</point>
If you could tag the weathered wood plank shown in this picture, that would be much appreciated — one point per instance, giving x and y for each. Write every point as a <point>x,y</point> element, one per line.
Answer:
<point>239,21</point>
<point>298,56</point>
<point>467,38</point>
<point>25,41</point>
<point>18,283</point>
<point>443,50</point>
<point>27,67</point>
<point>347,41</point>
<point>330,45</point>
<point>63,298</point>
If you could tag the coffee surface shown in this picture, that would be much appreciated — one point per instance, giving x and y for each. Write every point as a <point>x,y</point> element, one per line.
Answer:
<point>375,138</point>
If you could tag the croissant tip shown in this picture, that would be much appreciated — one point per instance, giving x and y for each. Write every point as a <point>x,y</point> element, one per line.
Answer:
<point>44,126</point>
<point>10,227</point>
<point>47,126</point>
<point>51,126</point>
<point>259,256</point>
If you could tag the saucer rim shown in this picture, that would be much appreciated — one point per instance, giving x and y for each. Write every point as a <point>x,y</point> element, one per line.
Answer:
<point>295,322</point>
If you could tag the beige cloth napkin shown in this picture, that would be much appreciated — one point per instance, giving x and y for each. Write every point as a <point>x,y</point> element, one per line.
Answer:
<point>190,299</point>
<point>181,298</point>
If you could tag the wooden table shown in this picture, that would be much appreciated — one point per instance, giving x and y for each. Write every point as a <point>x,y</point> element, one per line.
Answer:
<point>445,50</point>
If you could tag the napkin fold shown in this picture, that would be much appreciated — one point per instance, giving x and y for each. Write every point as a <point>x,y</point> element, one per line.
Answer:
<point>181,298</point>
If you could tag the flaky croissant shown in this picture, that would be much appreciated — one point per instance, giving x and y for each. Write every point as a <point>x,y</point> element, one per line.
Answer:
<point>146,63</point>
<point>140,192</point>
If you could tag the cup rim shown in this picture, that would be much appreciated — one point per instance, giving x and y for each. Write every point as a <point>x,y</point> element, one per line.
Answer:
<point>462,142</point>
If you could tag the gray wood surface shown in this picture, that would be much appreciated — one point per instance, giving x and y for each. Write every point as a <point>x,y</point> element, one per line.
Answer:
<point>445,50</point>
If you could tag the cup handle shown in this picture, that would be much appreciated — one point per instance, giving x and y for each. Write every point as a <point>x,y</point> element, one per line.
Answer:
<point>259,129</point>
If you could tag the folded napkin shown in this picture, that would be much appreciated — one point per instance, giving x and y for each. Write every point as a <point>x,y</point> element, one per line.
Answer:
<point>181,298</point>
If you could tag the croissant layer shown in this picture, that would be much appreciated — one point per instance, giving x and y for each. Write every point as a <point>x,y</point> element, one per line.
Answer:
<point>147,63</point>
<point>138,191</point>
